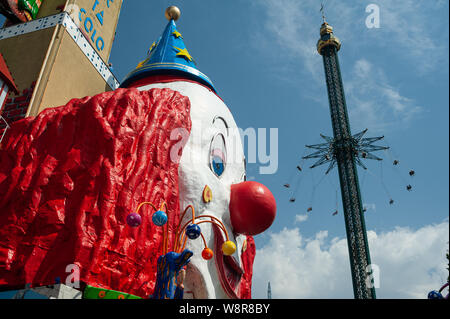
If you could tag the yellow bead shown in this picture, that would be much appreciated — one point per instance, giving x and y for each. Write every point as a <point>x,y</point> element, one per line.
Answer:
<point>228,248</point>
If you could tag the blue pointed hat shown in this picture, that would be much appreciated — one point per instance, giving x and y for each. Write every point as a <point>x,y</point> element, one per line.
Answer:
<point>168,56</point>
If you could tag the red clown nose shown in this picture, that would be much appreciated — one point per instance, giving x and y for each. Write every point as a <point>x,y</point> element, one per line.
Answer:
<point>252,208</point>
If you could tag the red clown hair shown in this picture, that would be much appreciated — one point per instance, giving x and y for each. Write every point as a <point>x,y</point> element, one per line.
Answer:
<point>70,176</point>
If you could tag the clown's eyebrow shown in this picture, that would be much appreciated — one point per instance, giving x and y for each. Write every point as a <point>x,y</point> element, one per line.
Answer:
<point>224,122</point>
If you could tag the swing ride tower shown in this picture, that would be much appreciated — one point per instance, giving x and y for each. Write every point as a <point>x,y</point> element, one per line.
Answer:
<point>345,151</point>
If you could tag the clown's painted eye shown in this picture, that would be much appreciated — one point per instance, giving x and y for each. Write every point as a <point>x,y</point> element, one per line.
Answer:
<point>217,157</point>
<point>218,165</point>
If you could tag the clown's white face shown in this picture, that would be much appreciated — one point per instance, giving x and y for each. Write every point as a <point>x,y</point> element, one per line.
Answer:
<point>213,157</point>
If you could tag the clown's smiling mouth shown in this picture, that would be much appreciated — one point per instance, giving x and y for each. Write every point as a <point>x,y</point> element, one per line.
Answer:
<point>228,268</point>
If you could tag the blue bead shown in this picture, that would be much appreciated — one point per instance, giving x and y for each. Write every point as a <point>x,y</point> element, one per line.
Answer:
<point>193,231</point>
<point>435,295</point>
<point>159,218</point>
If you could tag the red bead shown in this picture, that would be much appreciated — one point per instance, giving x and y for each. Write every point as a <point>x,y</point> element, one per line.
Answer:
<point>207,254</point>
<point>252,208</point>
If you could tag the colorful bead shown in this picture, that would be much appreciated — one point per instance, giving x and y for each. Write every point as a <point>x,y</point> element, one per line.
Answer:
<point>228,248</point>
<point>193,231</point>
<point>435,295</point>
<point>159,218</point>
<point>134,220</point>
<point>207,254</point>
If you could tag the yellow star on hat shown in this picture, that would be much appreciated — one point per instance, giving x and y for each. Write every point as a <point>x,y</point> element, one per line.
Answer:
<point>184,53</point>
<point>177,34</point>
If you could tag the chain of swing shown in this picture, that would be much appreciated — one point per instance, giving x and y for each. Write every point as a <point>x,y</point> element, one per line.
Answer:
<point>297,176</point>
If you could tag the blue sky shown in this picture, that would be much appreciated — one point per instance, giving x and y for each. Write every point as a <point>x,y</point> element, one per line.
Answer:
<point>261,56</point>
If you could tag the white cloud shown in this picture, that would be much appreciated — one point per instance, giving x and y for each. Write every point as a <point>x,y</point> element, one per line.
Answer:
<point>411,262</point>
<point>414,27</point>
<point>409,29</point>
<point>373,102</point>
<point>287,26</point>
<point>300,218</point>
<point>406,33</point>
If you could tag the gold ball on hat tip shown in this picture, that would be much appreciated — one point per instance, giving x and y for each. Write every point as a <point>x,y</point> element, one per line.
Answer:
<point>173,13</point>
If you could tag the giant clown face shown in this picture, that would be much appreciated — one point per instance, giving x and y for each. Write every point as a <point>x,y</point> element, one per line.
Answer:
<point>68,186</point>
<point>213,158</point>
